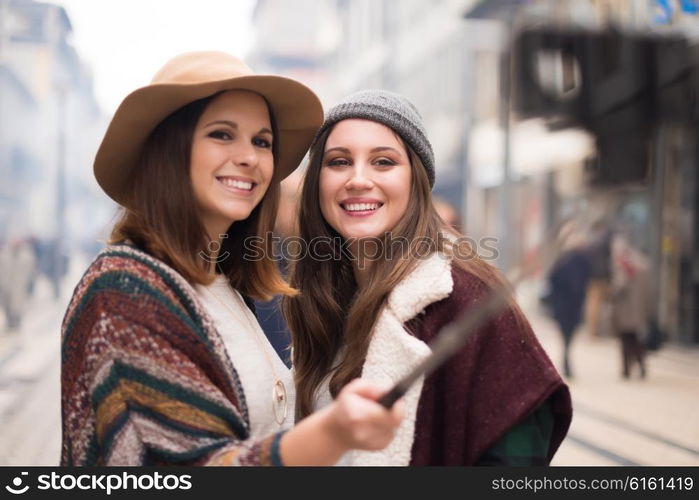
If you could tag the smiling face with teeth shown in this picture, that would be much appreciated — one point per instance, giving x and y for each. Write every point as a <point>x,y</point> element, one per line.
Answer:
<point>364,180</point>
<point>231,164</point>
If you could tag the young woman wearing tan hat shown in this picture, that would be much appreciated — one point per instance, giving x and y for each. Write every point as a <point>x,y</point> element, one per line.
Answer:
<point>386,274</point>
<point>163,362</point>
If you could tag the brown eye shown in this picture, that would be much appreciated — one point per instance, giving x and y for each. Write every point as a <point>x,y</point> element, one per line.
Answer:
<point>338,162</point>
<point>261,142</point>
<point>385,162</point>
<point>221,134</point>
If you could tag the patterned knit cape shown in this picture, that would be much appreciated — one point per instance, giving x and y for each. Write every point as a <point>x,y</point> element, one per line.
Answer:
<point>145,377</point>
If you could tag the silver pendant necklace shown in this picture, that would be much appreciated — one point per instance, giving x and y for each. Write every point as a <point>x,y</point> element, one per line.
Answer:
<point>280,404</point>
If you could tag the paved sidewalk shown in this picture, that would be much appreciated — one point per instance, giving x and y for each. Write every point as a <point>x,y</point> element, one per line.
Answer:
<point>624,422</point>
<point>30,392</point>
<point>30,420</point>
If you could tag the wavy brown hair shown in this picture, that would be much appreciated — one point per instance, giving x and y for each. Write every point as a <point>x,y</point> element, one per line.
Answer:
<point>160,213</point>
<point>329,313</point>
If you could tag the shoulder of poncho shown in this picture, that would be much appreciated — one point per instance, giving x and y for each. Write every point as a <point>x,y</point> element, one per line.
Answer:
<point>130,261</point>
<point>133,260</point>
<point>133,273</point>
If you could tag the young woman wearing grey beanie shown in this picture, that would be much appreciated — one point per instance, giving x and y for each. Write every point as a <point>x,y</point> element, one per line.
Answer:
<point>383,275</point>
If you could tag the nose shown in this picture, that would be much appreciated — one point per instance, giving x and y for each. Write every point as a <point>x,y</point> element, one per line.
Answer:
<point>359,179</point>
<point>243,154</point>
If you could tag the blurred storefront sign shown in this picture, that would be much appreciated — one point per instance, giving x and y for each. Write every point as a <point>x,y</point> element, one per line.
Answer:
<point>495,9</point>
<point>668,9</point>
<point>619,86</point>
<point>534,148</point>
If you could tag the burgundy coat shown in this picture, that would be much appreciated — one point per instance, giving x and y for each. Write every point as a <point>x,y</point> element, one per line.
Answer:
<point>465,407</point>
<point>500,377</point>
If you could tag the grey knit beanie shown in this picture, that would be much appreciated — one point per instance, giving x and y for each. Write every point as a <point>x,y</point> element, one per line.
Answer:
<point>389,109</point>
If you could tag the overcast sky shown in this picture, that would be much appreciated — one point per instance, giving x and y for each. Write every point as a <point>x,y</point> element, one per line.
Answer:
<point>127,41</point>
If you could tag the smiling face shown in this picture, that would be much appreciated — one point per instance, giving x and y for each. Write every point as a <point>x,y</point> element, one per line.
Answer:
<point>364,179</point>
<point>231,164</point>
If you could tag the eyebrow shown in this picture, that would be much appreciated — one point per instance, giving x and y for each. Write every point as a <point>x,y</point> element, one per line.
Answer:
<point>341,150</point>
<point>375,150</point>
<point>384,148</point>
<point>232,124</point>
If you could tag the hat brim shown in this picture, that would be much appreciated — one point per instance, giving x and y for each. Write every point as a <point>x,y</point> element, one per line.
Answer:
<point>296,109</point>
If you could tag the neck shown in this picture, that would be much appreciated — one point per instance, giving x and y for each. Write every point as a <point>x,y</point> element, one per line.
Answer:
<point>215,234</point>
<point>215,228</point>
<point>361,273</point>
<point>361,264</point>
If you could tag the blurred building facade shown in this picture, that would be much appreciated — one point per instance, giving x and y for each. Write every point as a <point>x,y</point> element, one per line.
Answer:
<point>511,177</point>
<point>640,177</point>
<point>297,39</point>
<point>50,125</point>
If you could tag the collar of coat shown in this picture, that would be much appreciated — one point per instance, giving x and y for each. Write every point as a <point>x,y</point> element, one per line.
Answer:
<point>393,352</point>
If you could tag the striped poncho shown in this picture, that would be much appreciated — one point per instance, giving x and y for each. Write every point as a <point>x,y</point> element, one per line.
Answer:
<point>145,377</point>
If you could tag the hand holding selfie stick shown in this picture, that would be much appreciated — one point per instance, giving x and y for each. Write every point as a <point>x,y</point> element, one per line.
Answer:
<point>452,337</point>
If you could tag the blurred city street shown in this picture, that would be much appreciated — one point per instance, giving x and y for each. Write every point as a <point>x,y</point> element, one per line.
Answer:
<point>615,421</point>
<point>30,433</point>
<point>625,422</point>
<point>569,124</point>
<point>30,390</point>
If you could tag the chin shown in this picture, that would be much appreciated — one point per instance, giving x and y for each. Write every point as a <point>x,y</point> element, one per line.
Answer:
<point>238,216</point>
<point>236,213</point>
<point>359,235</point>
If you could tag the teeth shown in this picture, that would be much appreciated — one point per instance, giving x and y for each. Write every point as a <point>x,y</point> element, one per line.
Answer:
<point>359,207</point>
<point>236,183</point>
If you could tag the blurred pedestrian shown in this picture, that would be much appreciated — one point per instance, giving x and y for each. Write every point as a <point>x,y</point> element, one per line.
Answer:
<point>448,213</point>
<point>17,268</point>
<point>599,252</point>
<point>567,285</point>
<point>632,305</point>
<point>367,308</point>
<point>163,362</point>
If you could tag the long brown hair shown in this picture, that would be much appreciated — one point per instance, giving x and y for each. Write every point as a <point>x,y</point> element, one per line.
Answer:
<point>160,213</point>
<point>330,322</point>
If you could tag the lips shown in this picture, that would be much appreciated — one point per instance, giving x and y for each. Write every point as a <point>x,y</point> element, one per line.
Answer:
<point>236,184</point>
<point>360,207</point>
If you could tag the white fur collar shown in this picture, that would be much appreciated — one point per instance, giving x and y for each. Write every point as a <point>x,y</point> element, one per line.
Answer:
<point>393,352</point>
<point>429,282</point>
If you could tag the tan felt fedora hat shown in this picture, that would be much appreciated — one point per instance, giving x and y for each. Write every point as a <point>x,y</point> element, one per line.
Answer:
<point>191,76</point>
